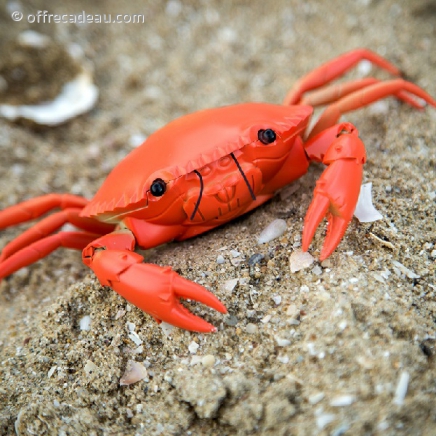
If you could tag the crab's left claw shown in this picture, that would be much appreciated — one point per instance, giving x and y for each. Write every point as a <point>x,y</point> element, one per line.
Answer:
<point>153,289</point>
<point>336,192</point>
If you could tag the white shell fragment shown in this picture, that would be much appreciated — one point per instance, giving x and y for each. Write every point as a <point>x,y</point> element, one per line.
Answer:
<point>135,371</point>
<point>401,390</point>
<point>90,367</point>
<point>85,323</point>
<point>342,400</point>
<point>365,211</point>
<point>406,271</point>
<point>272,231</point>
<point>229,285</point>
<point>300,260</point>
<point>75,98</point>
<point>193,347</point>
<point>30,38</point>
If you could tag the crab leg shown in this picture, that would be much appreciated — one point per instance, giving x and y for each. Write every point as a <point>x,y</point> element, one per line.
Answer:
<point>338,188</point>
<point>333,69</point>
<point>332,93</point>
<point>364,97</point>
<point>39,249</point>
<point>30,209</point>
<point>52,223</point>
<point>151,288</point>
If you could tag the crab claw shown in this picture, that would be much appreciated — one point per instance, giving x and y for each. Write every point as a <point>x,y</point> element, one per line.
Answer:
<point>336,192</point>
<point>153,289</point>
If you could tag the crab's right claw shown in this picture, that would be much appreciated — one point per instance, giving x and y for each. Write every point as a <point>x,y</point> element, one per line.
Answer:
<point>336,192</point>
<point>153,289</point>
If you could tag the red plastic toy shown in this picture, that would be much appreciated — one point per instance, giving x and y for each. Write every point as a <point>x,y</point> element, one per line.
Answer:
<point>202,170</point>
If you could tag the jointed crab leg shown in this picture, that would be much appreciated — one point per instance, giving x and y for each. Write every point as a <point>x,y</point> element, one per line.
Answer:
<point>332,93</point>
<point>39,249</point>
<point>35,207</point>
<point>364,97</point>
<point>151,288</point>
<point>52,223</point>
<point>332,70</point>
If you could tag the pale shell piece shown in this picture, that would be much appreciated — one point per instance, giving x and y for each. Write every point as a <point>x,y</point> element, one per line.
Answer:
<point>90,367</point>
<point>229,285</point>
<point>300,260</point>
<point>30,38</point>
<point>406,271</point>
<point>135,371</point>
<point>365,211</point>
<point>76,97</point>
<point>272,231</point>
<point>85,323</point>
<point>193,347</point>
<point>208,361</point>
<point>342,400</point>
<point>401,390</point>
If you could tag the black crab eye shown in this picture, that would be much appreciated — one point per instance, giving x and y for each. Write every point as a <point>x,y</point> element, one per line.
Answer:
<point>266,136</point>
<point>158,188</point>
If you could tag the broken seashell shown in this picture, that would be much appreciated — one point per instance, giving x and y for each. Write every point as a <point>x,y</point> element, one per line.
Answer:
<point>43,81</point>
<point>135,371</point>
<point>365,211</point>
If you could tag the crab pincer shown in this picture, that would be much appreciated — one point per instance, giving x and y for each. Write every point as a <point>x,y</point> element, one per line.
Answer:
<point>337,190</point>
<point>155,290</point>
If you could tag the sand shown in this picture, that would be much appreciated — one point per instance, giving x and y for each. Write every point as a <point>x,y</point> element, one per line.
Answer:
<point>346,346</point>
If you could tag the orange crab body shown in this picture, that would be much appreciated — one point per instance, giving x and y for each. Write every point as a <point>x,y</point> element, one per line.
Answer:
<point>214,168</point>
<point>202,170</point>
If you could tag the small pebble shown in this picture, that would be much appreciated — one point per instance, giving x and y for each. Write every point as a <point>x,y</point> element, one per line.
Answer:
<point>342,400</point>
<point>316,398</point>
<point>208,361</point>
<point>231,320</point>
<point>300,260</point>
<point>282,342</point>
<point>251,328</point>
<point>277,299</point>
<point>230,285</point>
<point>274,230</point>
<point>256,258</point>
<point>90,367</point>
<point>401,390</point>
<point>85,323</point>
<point>135,371</point>
<point>193,347</point>
<point>220,259</point>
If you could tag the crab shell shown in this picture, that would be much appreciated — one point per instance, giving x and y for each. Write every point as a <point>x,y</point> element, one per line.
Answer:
<point>187,144</point>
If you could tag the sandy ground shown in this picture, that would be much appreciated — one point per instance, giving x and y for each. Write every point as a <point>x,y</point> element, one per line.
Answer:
<point>327,356</point>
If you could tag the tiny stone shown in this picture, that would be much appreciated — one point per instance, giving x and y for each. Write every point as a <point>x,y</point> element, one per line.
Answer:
<point>235,253</point>
<point>274,230</point>
<point>300,260</point>
<point>231,320</point>
<point>342,400</point>
<point>220,259</point>
<point>251,328</point>
<point>282,342</point>
<point>317,270</point>
<point>208,360</point>
<point>277,299</point>
<point>266,319</point>
<point>316,398</point>
<point>193,347</point>
<point>85,323</point>
<point>90,367</point>
<point>230,285</point>
<point>256,258</point>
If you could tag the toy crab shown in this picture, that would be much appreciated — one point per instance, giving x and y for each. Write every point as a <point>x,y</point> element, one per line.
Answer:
<point>202,170</point>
